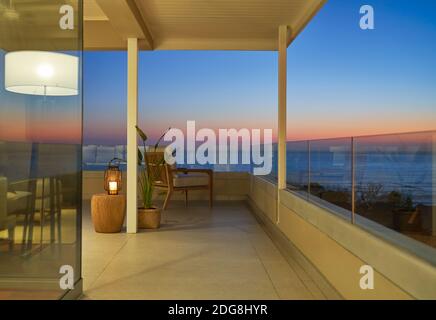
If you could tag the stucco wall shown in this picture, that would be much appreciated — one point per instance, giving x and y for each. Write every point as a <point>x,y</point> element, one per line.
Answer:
<point>227,186</point>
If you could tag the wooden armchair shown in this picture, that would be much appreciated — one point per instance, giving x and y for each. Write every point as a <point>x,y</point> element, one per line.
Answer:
<point>172,179</point>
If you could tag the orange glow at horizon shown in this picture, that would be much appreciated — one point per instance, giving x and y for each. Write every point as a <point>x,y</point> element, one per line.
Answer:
<point>363,126</point>
<point>68,132</point>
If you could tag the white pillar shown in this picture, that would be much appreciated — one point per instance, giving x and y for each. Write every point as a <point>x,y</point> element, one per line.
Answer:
<point>283,36</point>
<point>282,128</point>
<point>132,140</point>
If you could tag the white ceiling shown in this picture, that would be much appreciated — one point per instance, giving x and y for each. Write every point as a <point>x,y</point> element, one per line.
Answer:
<point>194,24</point>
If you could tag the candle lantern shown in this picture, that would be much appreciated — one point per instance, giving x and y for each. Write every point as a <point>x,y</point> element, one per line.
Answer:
<point>113,178</point>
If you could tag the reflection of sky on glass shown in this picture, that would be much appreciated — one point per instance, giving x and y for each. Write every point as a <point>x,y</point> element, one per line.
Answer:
<point>342,81</point>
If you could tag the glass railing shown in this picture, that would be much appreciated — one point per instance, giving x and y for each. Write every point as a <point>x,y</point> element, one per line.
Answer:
<point>97,157</point>
<point>298,165</point>
<point>330,171</point>
<point>384,183</point>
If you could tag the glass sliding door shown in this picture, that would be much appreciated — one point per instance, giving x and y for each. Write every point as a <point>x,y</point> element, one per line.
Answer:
<point>40,148</point>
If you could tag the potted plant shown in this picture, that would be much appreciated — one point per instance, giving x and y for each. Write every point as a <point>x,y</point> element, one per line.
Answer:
<point>149,215</point>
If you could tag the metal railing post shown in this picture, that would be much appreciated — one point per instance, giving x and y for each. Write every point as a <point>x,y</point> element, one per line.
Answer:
<point>309,173</point>
<point>433,210</point>
<point>353,182</point>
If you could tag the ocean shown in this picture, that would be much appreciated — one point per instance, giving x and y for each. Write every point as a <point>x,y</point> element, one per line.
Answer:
<point>410,173</point>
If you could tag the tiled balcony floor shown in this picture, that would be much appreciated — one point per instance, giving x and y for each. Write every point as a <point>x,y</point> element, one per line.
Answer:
<point>199,253</point>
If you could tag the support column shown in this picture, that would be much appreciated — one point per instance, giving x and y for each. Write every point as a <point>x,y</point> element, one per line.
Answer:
<point>132,140</point>
<point>283,36</point>
<point>282,128</point>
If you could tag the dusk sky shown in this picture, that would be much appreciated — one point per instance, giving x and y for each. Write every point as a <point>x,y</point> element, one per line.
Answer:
<point>342,81</point>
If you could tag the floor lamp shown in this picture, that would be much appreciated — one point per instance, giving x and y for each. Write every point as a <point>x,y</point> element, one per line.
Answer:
<point>41,73</point>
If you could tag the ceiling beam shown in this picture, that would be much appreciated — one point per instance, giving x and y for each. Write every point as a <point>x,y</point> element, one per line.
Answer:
<point>301,24</point>
<point>142,21</point>
<point>126,19</point>
<point>215,44</point>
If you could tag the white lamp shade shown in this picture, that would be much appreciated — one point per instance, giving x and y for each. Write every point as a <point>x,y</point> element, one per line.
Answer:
<point>42,73</point>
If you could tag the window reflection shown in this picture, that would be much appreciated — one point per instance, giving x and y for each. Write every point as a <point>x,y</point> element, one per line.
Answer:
<point>40,157</point>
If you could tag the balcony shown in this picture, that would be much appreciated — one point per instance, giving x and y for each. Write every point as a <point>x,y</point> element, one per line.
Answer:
<point>305,245</point>
<point>330,209</point>
<point>199,253</point>
<point>313,226</point>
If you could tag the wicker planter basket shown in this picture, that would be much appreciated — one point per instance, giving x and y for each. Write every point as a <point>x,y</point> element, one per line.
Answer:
<point>149,218</point>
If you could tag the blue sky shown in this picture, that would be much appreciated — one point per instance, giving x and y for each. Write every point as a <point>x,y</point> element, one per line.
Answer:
<point>342,81</point>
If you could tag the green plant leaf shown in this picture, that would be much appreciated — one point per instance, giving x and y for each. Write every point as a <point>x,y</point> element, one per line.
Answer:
<point>141,134</point>
<point>146,178</point>
<point>140,157</point>
<point>160,139</point>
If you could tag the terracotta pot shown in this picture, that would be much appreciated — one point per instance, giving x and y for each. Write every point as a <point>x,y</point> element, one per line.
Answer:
<point>149,218</point>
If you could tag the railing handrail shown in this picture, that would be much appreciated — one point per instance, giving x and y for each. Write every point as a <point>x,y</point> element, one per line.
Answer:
<point>366,136</point>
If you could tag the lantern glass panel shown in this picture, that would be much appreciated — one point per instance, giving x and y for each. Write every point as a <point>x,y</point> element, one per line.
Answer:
<point>112,180</point>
